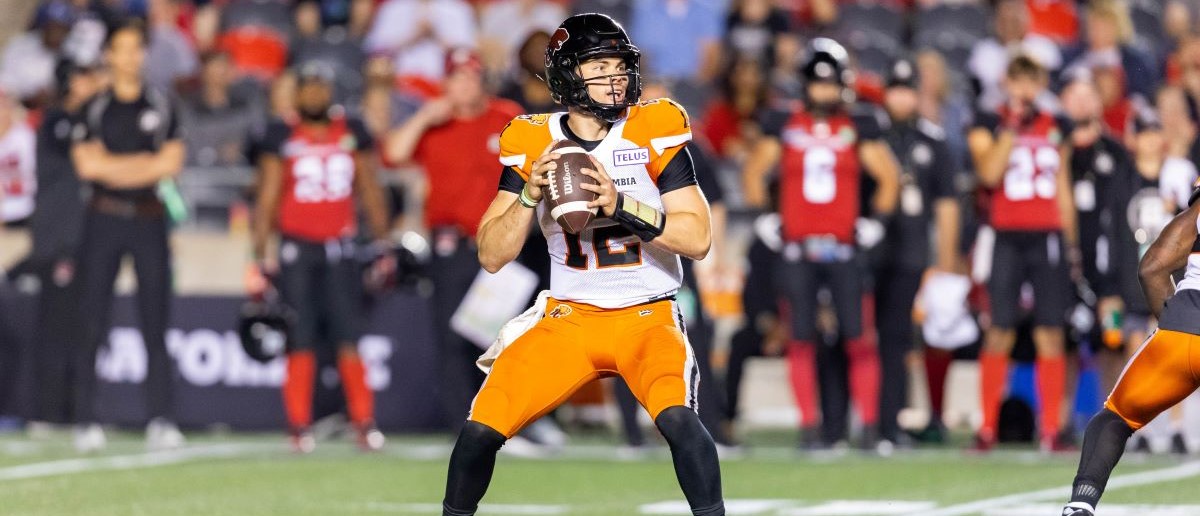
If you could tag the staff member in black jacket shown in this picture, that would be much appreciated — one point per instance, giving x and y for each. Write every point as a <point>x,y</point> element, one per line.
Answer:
<point>927,201</point>
<point>55,226</point>
<point>129,142</point>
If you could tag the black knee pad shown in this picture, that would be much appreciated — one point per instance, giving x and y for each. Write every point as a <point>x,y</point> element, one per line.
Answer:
<point>478,437</point>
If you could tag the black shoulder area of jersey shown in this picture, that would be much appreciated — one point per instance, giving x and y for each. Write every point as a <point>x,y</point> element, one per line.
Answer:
<point>869,121</point>
<point>985,120</point>
<point>275,136</point>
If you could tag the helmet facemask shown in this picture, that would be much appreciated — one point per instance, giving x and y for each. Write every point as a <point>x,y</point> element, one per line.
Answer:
<point>569,88</point>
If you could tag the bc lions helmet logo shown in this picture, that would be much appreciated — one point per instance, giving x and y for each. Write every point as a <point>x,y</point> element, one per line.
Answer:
<point>558,39</point>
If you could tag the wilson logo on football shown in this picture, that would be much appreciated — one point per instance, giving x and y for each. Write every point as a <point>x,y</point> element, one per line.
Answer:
<point>560,311</point>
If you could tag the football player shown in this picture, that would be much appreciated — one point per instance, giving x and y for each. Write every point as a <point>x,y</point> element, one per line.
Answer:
<point>821,149</point>
<point>1021,153</point>
<point>612,309</point>
<point>309,173</point>
<point>1161,372</point>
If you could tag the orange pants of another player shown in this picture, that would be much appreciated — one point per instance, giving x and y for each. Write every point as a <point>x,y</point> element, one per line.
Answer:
<point>577,343</point>
<point>1160,375</point>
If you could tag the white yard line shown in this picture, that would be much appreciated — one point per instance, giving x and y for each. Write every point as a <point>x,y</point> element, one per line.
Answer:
<point>122,462</point>
<point>435,508</point>
<point>1180,472</point>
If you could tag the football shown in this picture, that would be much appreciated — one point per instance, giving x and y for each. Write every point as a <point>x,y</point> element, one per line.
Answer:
<point>568,202</point>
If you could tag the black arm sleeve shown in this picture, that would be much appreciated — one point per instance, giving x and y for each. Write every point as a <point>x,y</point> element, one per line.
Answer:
<point>680,172</point>
<point>511,181</point>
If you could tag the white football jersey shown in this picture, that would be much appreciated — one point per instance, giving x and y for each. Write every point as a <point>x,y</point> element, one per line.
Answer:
<point>18,172</point>
<point>606,265</point>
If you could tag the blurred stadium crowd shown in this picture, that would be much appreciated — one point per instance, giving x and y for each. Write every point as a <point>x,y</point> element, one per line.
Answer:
<point>1128,70</point>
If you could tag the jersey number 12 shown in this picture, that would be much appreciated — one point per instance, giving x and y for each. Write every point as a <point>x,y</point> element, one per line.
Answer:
<point>607,255</point>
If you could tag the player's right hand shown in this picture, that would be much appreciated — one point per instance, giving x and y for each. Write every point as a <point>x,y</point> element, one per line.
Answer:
<point>257,280</point>
<point>537,174</point>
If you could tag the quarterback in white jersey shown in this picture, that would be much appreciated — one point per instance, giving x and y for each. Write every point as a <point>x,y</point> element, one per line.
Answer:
<point>612,309</point>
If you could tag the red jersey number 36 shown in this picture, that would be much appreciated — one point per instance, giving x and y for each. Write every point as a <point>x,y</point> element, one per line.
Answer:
<point>323,178</point>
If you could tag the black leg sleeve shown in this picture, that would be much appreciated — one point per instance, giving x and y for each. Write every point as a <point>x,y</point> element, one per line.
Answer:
<point>695,458</point>
<point>746,343</point>
<point>1103,445</point>
<point>471,466</point>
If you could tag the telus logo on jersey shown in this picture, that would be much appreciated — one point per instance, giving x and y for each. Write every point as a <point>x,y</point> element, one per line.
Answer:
<point>638,156</point>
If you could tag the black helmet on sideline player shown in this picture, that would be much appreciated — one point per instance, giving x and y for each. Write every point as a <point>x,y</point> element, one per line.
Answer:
<point>263,328</point>
<point>826,62</point>
<point>581,38</point>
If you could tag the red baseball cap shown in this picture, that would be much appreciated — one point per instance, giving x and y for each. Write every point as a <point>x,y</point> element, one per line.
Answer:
<point>463,57</point>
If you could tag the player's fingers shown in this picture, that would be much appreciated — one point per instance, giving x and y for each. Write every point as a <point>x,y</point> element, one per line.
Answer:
<point>597,189</point>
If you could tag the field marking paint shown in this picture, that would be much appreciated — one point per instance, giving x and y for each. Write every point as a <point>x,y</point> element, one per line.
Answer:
<point>1109,510</point>
<point>1180,472</point>
<point>861,507</point>
<point>732,507</point>
<point>121,462</point>
<point>486,508</point>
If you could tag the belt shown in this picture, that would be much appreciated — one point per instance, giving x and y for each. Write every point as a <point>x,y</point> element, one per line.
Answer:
<point>127,208</point>
<point>818,249</point>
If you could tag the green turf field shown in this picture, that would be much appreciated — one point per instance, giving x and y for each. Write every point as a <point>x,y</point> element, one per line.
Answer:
<point>255,475</point>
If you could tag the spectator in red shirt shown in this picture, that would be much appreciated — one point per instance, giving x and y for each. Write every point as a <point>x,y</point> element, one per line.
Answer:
<point>730,122</point>
<point>456,139</point>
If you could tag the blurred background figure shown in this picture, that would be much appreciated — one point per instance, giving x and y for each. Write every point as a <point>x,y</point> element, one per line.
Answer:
<point>128,142</point>
<point>455,139</point>
<point>989,58</point>
<point>928,205</point>
<point>313,173</point>
<point>417,34</point>
<point>686,60</point>
<point>27,66</point>
<point>56,227</point>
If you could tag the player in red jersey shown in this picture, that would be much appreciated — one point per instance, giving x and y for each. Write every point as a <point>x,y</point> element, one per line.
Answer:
<point>1021,153</point>
<point>822,150</point>
<point>309,173</point>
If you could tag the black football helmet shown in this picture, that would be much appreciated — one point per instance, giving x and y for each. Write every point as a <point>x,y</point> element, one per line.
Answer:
<point>590,36</point>
<point>263,327</point>
<point>826,60</point>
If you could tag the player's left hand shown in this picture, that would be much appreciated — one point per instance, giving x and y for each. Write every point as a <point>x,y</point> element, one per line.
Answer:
<point>605,189</point>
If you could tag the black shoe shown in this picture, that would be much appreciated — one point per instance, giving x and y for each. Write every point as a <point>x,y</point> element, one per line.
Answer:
<point>1178,444</point>
<point>810,440</point>
<point>935,433</point>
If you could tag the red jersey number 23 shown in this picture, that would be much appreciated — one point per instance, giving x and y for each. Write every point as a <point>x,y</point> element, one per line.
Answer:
<point>323,178</point>
<point>1031,173</point>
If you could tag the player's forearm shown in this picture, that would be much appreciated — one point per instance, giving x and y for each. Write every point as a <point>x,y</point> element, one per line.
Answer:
<point>370,192</point>
<point>501,238</point>
<point>754,175</point>
<point>719,217</point>
<point>884,169</point>
<point>264,222</point>
<point>402,142</point>
<point>994,162</point>
<point>686,234</point>
<point>948,230</point>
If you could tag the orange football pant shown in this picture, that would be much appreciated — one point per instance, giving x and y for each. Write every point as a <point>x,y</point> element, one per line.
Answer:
<point>1160,375</point>
<point>577,343</point>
